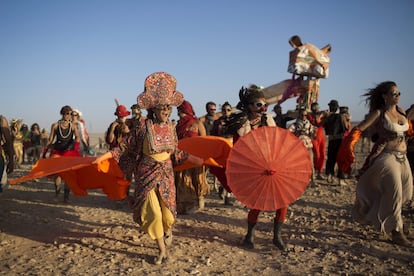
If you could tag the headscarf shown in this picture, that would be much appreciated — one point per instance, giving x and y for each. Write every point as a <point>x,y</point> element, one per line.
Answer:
<point>184,123</point>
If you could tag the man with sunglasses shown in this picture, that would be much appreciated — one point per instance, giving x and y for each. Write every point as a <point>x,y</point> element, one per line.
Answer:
<point>136,117</point>
<point>210,117</point>
<point>219,129</point>
<point>219,124</point>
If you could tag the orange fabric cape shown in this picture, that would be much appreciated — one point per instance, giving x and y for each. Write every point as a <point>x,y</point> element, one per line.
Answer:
<point>213,150</point>
<point>80,175</point>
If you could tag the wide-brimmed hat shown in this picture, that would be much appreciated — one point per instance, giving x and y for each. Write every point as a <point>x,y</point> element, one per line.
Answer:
<point>77,112</point>
<point>121,111</point>
<point>159,89</point>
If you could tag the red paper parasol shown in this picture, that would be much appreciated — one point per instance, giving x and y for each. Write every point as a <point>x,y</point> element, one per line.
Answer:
<point>268,168</point>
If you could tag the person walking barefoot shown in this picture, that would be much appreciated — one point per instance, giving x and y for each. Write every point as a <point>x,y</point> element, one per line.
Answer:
<point>385,182</point>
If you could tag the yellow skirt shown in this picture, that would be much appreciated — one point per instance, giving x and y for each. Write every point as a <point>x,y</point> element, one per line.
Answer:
<point>156,218</point>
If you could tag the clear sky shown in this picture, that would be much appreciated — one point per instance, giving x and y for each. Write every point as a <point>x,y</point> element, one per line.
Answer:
<point>86,53</point>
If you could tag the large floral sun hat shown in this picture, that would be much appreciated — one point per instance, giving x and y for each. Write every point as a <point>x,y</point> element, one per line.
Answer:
<point>159,89</point>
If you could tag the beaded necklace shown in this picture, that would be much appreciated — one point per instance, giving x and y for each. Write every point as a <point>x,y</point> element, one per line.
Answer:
<point>60,130</point>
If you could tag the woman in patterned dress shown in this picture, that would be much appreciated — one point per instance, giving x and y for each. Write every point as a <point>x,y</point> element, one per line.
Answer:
<point>150,151</point>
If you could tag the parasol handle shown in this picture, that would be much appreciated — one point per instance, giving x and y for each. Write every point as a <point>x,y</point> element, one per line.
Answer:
<point>269,172</point>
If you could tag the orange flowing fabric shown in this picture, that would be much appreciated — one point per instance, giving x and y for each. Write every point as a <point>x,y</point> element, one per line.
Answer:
<point>319,146</point>
<point>410,132</point>
<point>213,150</point>
<point>346,155</point>
<point>80,174</point>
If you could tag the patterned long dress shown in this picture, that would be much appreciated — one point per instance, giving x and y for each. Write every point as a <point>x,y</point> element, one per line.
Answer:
<point>136,154</point>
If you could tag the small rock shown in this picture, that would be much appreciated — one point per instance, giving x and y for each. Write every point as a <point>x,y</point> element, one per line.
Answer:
<point>195,272</point>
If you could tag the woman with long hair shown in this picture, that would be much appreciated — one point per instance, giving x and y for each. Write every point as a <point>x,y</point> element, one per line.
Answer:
<point>385,182</point>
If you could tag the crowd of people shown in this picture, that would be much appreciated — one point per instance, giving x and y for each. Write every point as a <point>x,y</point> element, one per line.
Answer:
<point>145,148</point>
<point>27,143</point>
<point>68,136</point>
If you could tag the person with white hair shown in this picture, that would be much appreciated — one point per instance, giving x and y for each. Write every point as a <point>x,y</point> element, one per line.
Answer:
<point>79,122</point>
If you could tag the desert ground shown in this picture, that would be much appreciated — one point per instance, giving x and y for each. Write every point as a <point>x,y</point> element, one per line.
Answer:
<point>92,235</point>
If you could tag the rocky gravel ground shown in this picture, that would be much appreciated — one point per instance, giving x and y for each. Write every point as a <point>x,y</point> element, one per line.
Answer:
<point>92,235</point>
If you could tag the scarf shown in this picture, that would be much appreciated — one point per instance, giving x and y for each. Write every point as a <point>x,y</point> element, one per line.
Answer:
<point>184,124</point>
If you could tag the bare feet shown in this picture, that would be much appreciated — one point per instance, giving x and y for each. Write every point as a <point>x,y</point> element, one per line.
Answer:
<point>168,238</point>
<point>161,258</point>
<point>400,239</point>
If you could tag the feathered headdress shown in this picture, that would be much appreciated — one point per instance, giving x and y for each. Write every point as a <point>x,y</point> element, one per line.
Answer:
<point>248,94</point>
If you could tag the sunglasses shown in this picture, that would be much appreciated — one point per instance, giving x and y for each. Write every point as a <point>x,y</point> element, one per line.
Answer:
<point>396,94</point>
<point>259,104</point>
<point>75,114</point>
<point>227,109</point>
<point>68,113</point>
